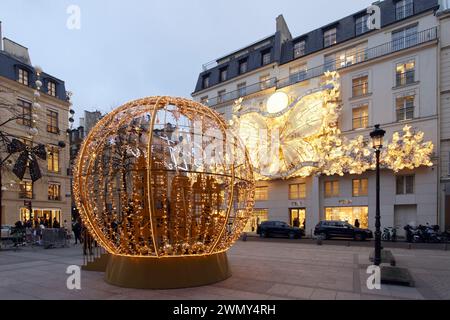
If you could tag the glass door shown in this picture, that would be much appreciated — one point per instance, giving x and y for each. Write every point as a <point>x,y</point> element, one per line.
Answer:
<point>298,217</point>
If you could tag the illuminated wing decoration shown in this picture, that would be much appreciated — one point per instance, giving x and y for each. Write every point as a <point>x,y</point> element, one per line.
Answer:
<point>302,138</point>
<point>282,144</point>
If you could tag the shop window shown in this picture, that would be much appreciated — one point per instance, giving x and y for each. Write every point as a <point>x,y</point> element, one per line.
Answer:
<point>349,215</point>
<point>258,216</point>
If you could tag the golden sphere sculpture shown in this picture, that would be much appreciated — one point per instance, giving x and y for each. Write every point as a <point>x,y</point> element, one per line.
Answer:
<point>163,177</point>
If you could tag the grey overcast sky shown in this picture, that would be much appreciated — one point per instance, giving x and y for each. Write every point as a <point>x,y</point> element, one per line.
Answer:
<point>127,49</point>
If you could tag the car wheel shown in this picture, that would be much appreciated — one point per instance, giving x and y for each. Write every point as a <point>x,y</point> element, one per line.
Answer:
<point>291,235</point>
<point>323,236</point>
<point>359,237</point>
<point>264,234</point>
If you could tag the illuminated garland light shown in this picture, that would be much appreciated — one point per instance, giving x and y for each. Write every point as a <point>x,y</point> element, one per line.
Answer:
<point>325,150</point>
<point>144,189</point>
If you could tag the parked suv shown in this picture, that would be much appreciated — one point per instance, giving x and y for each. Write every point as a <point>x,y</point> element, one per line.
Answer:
<point>340,229</point>
<point>278,229</point>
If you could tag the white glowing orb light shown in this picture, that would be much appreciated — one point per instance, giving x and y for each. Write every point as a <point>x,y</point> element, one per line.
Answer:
<point>277,102</point>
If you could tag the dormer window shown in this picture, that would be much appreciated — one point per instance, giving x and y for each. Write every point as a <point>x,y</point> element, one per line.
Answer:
<point>329,37</point>
<point>223,74</point>
<point>23,77</point>
<point>404,9</point>
<point>361,25</point>
<point>205,82</point>
<point>266,57</point>
<point>243,66</point>
<point>51,88</point>
<point>299,49</point>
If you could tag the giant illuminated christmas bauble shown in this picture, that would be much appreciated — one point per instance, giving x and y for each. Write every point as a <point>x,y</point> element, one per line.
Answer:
<point>162,178</point>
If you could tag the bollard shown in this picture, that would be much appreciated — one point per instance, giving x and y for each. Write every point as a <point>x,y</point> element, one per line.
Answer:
<point>244,237</point>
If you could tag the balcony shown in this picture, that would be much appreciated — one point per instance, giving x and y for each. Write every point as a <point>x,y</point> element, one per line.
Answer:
<point>26,195</point>
<point>241,92</point>
<point>404,114</point>
<point>396,45</point>
<point>405,78</point>
<point>356,58</point>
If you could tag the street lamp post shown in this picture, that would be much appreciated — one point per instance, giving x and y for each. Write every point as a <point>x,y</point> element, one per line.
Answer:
<point>377,139</point>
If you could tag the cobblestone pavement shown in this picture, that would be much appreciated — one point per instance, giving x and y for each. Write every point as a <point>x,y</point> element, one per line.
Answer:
<point>261,270</point>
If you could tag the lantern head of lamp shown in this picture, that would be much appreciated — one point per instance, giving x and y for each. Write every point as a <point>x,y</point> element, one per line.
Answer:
<point>377,137</point>
<point>277,102</point>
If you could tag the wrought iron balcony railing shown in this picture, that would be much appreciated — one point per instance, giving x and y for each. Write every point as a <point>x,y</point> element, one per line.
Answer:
<point>364,55</point>
<point>355,58</point>
<point>405,78</point>
<point>241,92</point>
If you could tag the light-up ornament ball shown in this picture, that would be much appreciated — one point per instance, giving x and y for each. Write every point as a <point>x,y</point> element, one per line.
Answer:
<point>166,189</point>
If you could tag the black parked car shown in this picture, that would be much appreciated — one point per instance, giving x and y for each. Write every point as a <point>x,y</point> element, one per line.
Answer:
<point>340,229</point>
<point>278,229</point>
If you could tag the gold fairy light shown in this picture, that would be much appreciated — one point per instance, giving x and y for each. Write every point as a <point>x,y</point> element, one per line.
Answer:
<point>309,140</point>
<point>149,193</point>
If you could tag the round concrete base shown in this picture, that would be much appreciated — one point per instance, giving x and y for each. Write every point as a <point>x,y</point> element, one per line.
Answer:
<point>167,273</point>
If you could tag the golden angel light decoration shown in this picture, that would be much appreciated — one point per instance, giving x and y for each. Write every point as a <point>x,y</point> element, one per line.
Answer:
<point>164,187</point>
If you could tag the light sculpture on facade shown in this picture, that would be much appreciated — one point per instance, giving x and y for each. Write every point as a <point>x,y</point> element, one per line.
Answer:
<point>303,138</point>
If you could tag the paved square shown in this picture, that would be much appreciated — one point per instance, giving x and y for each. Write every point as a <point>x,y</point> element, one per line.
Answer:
<point>261,270</point>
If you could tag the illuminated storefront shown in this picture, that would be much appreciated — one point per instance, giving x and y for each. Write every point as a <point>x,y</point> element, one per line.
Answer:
<point>298,218</point>
<point>258,216</point>
<point>49,214</point>
<point>349,214</point>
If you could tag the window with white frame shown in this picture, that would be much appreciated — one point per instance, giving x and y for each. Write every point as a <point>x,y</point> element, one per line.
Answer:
<point>351,56</point>
<point>51,88</point>
<point>405,73</point>
<point>266,57</point>
<point>297,191</point>
<point>405,107</point>
<point>405,184</point>
<point>204,100</point>
<point>223,74</point>
<point>243,66</point>
<point>264,81</point>
<point>221,96</point>
<point>360,187</point>
<point>242,89</point>
<point>331,189</point>
<point>361,24</point>
<point>360,116</point>
<point>261,193</point>
<point>299,49</point>
<point>404,38</point>
<point>404,9</point>
<point>360,86</point>
<point>23,77</point>
<point>329,37</point>
<point>205,81</point>
<point>297,73</point>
